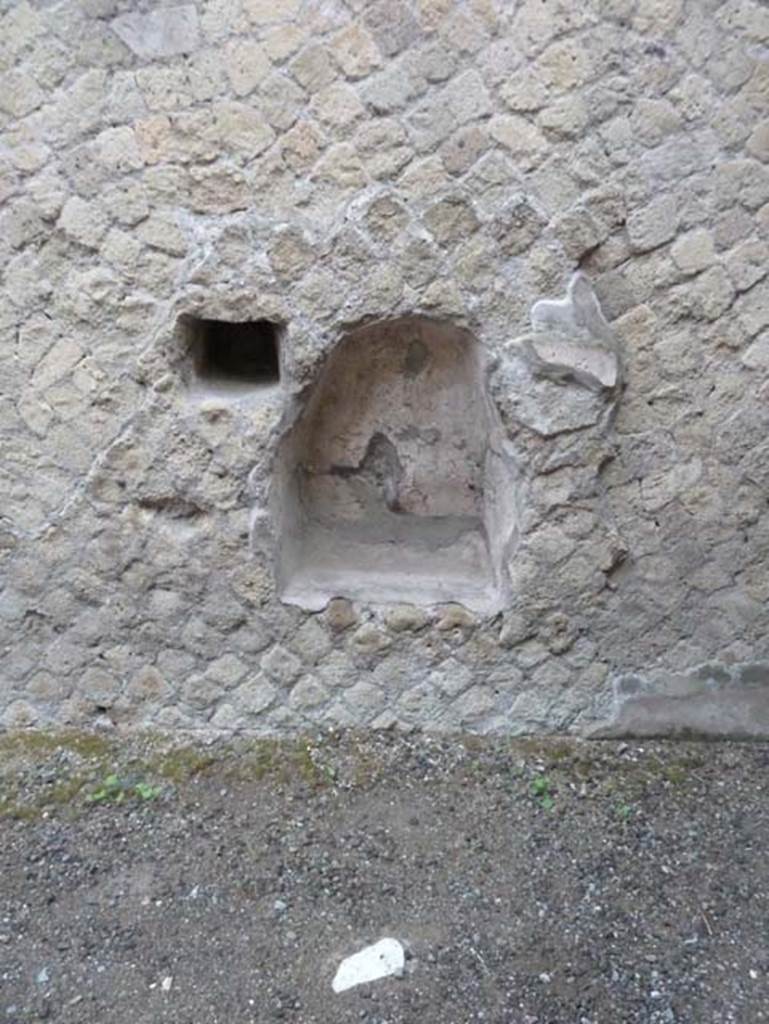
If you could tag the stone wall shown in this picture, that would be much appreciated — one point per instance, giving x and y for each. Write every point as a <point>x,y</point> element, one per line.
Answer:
<point>579,192</point>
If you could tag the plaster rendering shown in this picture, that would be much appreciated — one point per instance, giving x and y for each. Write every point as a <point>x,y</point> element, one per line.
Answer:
<point>388,365</point>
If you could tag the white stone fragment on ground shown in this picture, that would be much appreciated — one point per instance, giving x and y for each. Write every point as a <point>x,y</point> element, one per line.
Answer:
<point>381,960</point>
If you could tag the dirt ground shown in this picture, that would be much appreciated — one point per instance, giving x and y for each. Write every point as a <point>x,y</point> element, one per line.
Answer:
<point>530,882</point>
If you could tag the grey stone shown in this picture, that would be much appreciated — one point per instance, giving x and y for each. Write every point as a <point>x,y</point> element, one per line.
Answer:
<point>161,33</point>
<point>518,226</point>
<point>450,220</point>
<point>254,696</point>
<point>451,677</point>
<point>340,613</point>
<point>653,225</point>
<point>756,356</point>
<point>365,700</point>
<point>226,670</point>
<point>308,693</point>
<point>281,665</point>
<point>579,233</point>
<point>312,643</point>
<point>472,707</point>
<point>405,618</point>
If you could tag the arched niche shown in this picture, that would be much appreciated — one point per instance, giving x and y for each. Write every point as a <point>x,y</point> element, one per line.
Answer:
<point>388,487</point>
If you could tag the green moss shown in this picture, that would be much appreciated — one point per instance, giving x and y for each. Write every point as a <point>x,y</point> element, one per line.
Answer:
<point>34,776</point>
<point>55,771</point>
<point>551,750</point>
<point>674,773</point>
<point>63,792</point>
<point>279,759</point>
<point>179,764</point>
<point>19,812</point>
<point>40,743</point>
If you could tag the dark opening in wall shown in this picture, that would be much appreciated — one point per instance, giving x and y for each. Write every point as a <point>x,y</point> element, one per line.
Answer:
<point>233,355</point>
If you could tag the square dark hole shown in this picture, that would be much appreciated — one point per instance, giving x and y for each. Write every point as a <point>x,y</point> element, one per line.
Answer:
<point>233,353</point>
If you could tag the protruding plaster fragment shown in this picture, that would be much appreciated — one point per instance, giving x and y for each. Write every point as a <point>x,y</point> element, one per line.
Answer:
<point>571,338</point>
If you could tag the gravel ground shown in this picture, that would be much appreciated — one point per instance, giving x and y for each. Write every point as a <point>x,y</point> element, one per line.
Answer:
<point>530,882</point>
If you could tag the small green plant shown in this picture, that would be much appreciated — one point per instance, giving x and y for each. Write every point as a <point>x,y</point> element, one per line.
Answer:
<point>145,791</point>
<point>111,789</point>
<point>624,811</point>
<point>115,790</point>
<point>542,789</point>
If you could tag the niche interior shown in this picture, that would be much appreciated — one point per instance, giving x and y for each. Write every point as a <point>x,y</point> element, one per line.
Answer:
<point>390,485</point>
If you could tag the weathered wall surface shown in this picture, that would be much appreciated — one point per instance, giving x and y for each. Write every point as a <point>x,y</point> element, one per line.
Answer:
<point>323,164</point>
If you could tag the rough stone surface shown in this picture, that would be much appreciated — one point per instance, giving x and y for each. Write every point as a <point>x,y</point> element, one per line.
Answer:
<point>162,33</point>
<point>337,169</point>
